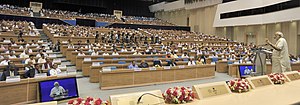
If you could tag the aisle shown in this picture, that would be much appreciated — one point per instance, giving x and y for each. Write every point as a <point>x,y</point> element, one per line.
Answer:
<point>92,89</point>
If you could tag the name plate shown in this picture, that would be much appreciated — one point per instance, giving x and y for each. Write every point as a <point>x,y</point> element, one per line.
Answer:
<point>167,67</point>
<point>49,51</point>
<point>52,55</point>
<point>224,59</point>
<point>56,60</point>
<point>236,63</point>
<point>71,71</point>
<point>152,68</point>
<point>211,89</point>
<point>292,76</point>
<point>137,69</point>
<point>181,66</point>
<point>13,79</point>
<point>259,81</point>
<point>62,74</point>
<point>213,63</point>
<point>248,62</point>
<point>40,75</point>
<point>132,98</point>
<point>106,69</point>
<point>87,59</point>
<point>96,64</point>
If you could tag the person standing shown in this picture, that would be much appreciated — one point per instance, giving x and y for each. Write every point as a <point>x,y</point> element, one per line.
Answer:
<point>280,55</point>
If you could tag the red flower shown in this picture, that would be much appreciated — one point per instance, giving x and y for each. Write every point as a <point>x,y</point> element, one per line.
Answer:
<point>168,91</point>
<point>79,100</point>
<point>71,102</point>
<point>175,93</point>
<point>98,101</point>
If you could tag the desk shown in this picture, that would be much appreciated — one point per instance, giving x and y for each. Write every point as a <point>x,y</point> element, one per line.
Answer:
<point>130,78</point>
<point>285,94</point>
<point>22,92</point>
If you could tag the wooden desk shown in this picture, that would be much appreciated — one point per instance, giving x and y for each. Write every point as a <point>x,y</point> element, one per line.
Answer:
<point>86,65</point>
<point>222,66</point>
<point>79,59</point>
<point>130,78</point>
<point>25,91</point>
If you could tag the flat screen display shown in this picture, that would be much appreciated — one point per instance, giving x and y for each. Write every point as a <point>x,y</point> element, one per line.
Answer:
<point>58,89</point>
<point>246,70</point>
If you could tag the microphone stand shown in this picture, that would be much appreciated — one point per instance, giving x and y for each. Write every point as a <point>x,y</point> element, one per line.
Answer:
<point>140,98</point>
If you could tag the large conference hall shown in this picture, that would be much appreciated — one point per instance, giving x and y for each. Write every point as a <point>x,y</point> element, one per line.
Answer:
<point>149,52</point>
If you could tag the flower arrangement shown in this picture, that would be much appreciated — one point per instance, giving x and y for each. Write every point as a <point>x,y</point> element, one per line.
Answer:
<point>178,95</point>
<point>87,101</point>
<point>238,85</point>
<point>277,78</point>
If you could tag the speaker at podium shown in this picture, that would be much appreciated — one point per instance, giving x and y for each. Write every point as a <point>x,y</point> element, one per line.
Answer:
<point>260,61</point>
<point>132,98</point>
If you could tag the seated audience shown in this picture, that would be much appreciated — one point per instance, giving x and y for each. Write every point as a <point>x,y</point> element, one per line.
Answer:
<point>133,65</point>
<point>172,63</point>
<point>24,54</point>
<point>191,62</point>
<point>30,70</point>
<point>10,70</point>
<point>12,55</point>
<point>54,71</point>
<point>47,65</point>
<point>5,61</point>
<point>143,64</point>
<point>42,59</point>
<point>115,52</point>
<point>30,59</point>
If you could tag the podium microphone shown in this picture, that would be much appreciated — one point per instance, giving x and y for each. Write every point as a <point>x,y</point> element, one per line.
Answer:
<point>140,98</point>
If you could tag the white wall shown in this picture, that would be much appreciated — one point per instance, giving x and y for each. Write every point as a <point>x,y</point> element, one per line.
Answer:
<point>280,16</point>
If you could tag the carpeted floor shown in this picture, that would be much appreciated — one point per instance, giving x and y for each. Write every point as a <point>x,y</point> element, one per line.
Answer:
<point>86,88</point>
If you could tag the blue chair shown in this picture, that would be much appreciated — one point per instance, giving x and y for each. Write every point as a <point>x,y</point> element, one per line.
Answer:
<point>185,59</point>
<point>214,59</point>
<point>230,62</point>
<point>122,58</point>
<point>100,58</point>
<point>23,61</point>
<point>115,58</point>
<point>121,62</point>
<point>101,63</point>
<point>155,57</point>
<point>48,73</point>
<point>149,57</point>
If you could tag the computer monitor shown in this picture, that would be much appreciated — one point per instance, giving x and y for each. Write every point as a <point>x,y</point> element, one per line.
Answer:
<point>58,89</point>
<point>246,70</point>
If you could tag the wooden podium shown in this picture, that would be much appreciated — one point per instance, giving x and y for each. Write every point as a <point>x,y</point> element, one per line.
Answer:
<point>132,98</point>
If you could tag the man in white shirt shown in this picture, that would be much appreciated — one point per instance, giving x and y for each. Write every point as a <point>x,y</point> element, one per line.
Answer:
<point>54,71</point>
<point>280,56</point>
<point>115,53</point>
<point>25,54</point>
<point>5,61</point>
<point>57,91</point>
<point>42,59</point>
<point>12,55</point>
<point>30,59</point>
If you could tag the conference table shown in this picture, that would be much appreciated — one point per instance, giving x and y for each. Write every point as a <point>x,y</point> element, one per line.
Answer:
<point>286,94</point>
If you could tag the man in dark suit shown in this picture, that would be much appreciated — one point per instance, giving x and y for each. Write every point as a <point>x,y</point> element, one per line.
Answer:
<point>10,70</point>
<point>172,63</point>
